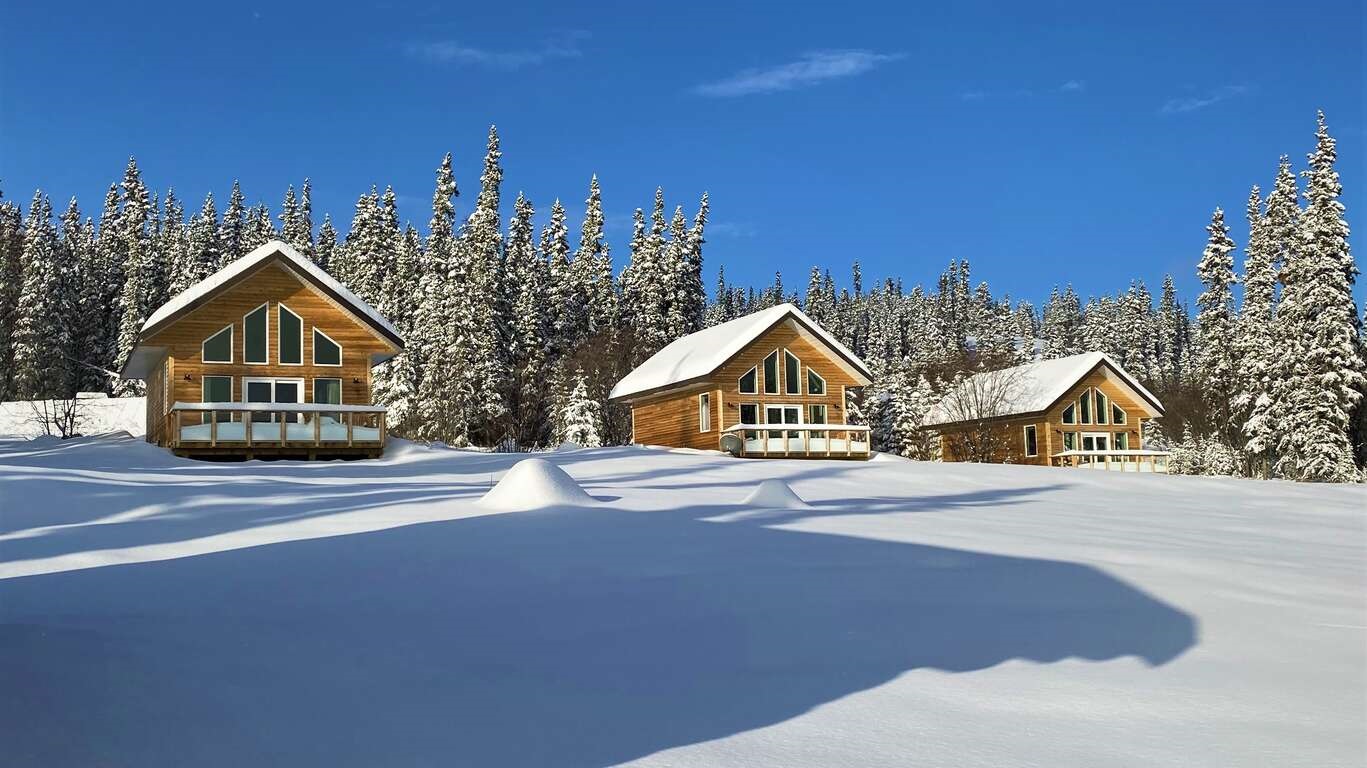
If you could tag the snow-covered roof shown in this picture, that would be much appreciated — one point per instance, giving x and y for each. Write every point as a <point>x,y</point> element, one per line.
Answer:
<point>699,354</point>
<point>296,261</point>
<point>1033,387</point>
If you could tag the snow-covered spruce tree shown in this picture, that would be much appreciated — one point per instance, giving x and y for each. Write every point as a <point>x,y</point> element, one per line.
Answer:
<point>81,318</point>
<point>1171,332</point>
<point>296,220</point>
<point>1317,320</point>
<point>11,278</point>
<point>1061,328</point>
<point>676,321</point>
<point>1216,358</point>
<point>566,305</point>
<point>1254,343</point>
<point>171,251</point>
<point>581,415</point>
<point>592,269</point>
<point>327,245</point>
<point>110,255</point>
<point>396,380</point>
<point>487,367</point>
<point>201,251</point>
<point>40,332</point>
<point>136,246</point>
<point>361,260</point>
<point>689,294</point>
<point>233,228</point>
<point>529,277</point>
<point>260,229</point>
<point>433,409</point>
<point>1137,343</point>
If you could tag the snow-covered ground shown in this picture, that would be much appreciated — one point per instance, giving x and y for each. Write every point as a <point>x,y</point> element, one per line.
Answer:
<point>156,611</point>
<point>97,416</point>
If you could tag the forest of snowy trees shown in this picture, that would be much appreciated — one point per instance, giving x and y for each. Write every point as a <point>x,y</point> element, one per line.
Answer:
<point>515,335</point>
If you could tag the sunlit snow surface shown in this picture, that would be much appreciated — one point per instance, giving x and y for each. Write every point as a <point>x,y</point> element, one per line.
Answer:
<point>157,611</point>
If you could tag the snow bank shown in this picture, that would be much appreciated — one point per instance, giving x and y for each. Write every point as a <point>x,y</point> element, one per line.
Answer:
<point>775,494</point>
<point>535,484</point>
<point>98,416</point>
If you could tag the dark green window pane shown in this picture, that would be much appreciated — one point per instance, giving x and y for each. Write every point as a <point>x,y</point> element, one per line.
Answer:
<point>291,338</point>
<point>815,385</point>
<point>218,389</point>
<point>1100,407</point>
<point>1031,442</point>
<point>254,336</point>
<point>327,391</point>
<point>771,374</point>
<point>791,382</point>
<point>1117,415</point>
<point>747,382</point>
<point>219,347</point>
<point>325,352</point>
<point>1086,404</point>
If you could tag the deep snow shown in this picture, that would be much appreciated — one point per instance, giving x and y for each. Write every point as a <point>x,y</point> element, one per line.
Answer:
<point>157,611</point>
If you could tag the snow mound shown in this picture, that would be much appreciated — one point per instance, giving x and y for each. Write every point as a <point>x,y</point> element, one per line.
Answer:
<point>535,484</point>
<point>775,494</point>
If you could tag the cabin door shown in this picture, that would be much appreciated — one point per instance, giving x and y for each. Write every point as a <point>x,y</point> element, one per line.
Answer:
<point>783,414</point>
<point>273,391</point>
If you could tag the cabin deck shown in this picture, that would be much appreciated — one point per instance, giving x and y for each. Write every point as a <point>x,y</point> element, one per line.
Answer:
<point>797,441</point>
<point>276,430</point>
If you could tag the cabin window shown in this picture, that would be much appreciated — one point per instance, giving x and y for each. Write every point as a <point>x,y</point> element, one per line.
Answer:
<point>749,384</point>
<point>290,328</point>
<point>328,391</point>
<point>1100,406</point>
<point>1085,405</point>
<point>792,377</point>
<point>771,373</point>
<point>325,350</point>
<point>815,384</point>
<point>254,330</point>
<point>1070,413</point>
<point>1031,441</point>
<point>1070,441</point>
<point>218,389</point>
<point>1122,441</point>
<point>816,414</point>
<point>705,412</point>
<point>749,414</point>
<point>218,348</point>
<point>1117,414</point>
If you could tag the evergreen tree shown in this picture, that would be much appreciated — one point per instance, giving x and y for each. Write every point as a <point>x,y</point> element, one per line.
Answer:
<point>529,275</point>
<point>11,280</point>
<point>259,230</point>
<point>1216,361</point>
<point>486,367</point>
<point>1172,337</point>
<point>1254,343</point>
<point>135,245</point>
<point>40,334</point>
<point>431,338</point>
<point>1062,324</point>
<point>581,416</point>
<point>201,251</point>
<point>1317,320</point>
<point>592,270</point>
<point>327,244</point>
<point>110,256</point>
<point>566,303</point>
<point>233,229</point>
<point>296,217</point>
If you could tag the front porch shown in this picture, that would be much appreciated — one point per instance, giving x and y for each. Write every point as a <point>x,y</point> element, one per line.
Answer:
<point>1115,461</point>
<point>797,441</point>
<point>275,430</point>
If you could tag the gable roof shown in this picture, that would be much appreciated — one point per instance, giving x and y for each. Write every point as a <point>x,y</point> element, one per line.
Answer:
<point>274,251</point>
<point>698,355</point>
<point>1036,387</point>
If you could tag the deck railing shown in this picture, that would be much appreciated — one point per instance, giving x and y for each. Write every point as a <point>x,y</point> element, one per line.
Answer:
<point>801,440</point>
<point>275,424</point>
<point>1116,461</point>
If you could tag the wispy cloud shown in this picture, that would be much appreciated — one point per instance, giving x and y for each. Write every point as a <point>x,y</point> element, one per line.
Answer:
<point>731,229</point>
<point>811,69</point>
<point>1073,86</point>
<point>454,52</point>
<point>1193,103</point>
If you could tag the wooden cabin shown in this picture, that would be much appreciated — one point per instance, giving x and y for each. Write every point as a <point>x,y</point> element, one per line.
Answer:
<point>728,386</point>
<point>1078,411</point>
<point>268,357</point>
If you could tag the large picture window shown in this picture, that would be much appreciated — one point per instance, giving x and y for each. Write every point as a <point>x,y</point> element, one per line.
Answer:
<point>255,327</point>
<point>218,348</point>
<point>815,384</point>
<point>1085,406</point>
<point>325,350</point>
<point>1101,406</point>
<point>290,328</point>
<point>749,382</point>
<point>792,376</point>
<point>749,414</point>
<point>771,373</point>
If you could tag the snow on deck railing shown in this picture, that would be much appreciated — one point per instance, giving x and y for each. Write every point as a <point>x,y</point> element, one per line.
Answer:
<point>797,428</point>
<point>1112,453</point>
<point>279,407</point>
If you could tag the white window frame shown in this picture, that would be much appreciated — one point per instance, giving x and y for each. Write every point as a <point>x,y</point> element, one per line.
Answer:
<point>778,374</point>
<point>341,352</point>
<point>1063,415</point>
<point>1026,430</point>
<point>1116,437</point>
<point>1094,435</point>
<point>793,391</point>
<point>1124,415</point>
<point>825,388</point>
<point>281,358</point>
<point>705,412</point>
<point>341,395</point>
<point>1076,440</point>
<point>250,312</point>
<point>825,413</point>
<point>739,379</point>
<point>273,380</point>
<point>232,339</point>
<point>750,434</point>
<point>203,393</point>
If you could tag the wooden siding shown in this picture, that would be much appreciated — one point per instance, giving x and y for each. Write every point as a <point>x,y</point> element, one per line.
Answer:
<point>1050,427</point>
<point>673,419</point>
<point>272,285</point>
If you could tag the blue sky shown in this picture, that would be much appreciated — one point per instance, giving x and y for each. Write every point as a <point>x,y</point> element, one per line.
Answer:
<point>1045,142</point>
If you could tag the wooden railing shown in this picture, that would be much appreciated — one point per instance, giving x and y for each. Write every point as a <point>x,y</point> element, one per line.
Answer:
<point>800,440</point>
<point>278,424</point>
<point>1116,460</point>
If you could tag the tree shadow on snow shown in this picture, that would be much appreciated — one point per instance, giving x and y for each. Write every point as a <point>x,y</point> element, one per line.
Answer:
<point>581,637</point>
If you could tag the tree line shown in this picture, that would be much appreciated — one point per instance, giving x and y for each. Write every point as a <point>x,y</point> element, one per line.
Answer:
<point>516,335</point>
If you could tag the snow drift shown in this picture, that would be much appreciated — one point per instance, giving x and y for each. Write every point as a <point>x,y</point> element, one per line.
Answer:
<point>775,494</point>
<point>535,484</point>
